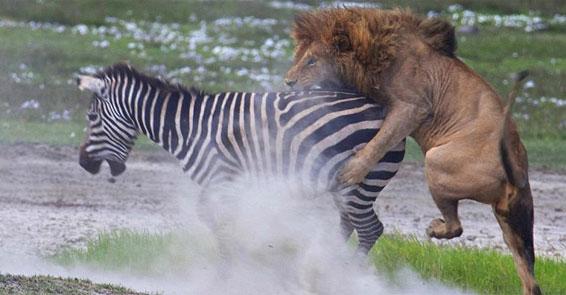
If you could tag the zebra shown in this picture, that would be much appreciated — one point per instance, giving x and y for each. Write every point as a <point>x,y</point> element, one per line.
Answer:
<point>309,134</point>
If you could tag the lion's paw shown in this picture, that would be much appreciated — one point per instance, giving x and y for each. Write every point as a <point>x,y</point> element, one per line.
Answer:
<point>354,172</point>
<point>436,227</point>
<point>439,229</point>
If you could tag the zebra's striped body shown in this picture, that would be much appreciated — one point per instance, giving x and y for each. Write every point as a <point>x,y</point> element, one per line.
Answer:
<point>303,135</point>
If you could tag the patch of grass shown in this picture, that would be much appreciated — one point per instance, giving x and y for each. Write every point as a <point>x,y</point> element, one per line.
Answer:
<point>94,12</point>
<point>546,152</point>
<point>67,133</point>
<point>54,133</point>
<point>413,152</point>
<point>484,271</point>
<point>22,285</point>
<point>549,7</point>
<point>495,54</point>
<point>134,252</point>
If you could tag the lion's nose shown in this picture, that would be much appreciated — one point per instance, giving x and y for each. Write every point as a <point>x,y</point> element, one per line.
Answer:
<point>290,82</point>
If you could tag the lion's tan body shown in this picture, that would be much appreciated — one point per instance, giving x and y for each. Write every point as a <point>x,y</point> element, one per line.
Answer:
<point>471,146</point>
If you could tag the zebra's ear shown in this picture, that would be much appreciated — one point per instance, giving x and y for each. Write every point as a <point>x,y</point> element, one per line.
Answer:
<point>90,83</point>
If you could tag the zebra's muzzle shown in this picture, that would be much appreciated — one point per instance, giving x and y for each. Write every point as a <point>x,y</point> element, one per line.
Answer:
<point>116,168</point>
<point>92,166</point>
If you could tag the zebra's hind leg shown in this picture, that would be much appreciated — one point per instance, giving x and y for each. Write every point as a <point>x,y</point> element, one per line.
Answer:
<point>210,214</point>
<point>346,226</point>
<point>364,220</point>
<point>369,229</point>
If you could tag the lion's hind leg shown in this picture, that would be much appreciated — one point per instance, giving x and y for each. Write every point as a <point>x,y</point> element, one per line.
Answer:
<point>514,212</point>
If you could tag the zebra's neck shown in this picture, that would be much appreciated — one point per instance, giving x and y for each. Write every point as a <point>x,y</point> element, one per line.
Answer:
<point>167,117</point>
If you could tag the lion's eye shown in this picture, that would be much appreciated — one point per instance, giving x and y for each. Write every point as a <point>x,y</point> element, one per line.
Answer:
<point>311,61</point>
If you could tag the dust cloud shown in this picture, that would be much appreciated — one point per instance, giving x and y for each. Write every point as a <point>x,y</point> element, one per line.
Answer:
<point>280,238</point>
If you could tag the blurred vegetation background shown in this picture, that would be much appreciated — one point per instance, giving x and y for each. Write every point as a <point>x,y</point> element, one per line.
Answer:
<point>245,45</point>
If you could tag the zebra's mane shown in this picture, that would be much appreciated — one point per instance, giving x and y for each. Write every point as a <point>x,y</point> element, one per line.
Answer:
<point>161,84</point>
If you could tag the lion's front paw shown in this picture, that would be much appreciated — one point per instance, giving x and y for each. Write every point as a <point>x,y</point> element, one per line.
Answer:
<point>354,171</point>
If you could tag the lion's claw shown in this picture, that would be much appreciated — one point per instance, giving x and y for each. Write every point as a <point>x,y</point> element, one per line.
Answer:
<point>354,172</point>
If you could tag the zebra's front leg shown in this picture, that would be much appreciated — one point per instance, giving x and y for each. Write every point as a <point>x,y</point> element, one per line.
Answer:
<point>210,214</point>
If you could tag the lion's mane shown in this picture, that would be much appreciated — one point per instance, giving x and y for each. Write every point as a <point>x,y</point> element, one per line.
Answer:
<point>373,36</point>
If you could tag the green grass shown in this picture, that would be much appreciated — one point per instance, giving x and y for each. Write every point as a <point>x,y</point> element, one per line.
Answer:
<point>54,133</point>
<point>140,253</point>
<point>484,271</point>
<point>480,270</point>
<point>22,285</point>
<point>94,12</point>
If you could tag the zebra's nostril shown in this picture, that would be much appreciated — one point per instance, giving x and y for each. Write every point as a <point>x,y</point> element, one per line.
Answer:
<point>290,82</point>
<point>78,80</point>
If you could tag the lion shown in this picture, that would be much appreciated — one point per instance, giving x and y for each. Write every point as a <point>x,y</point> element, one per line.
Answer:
<point>408,63</point>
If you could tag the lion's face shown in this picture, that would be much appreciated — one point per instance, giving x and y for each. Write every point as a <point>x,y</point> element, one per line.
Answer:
<point>314,68</point>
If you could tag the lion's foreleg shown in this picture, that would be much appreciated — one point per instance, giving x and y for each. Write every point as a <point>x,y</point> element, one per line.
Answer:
<point>401,120</point>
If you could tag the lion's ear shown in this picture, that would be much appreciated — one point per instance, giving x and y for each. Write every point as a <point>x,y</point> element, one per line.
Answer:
<point>341,42</point>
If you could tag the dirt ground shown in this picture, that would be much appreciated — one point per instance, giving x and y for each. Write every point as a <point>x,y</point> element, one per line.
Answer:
<point>47,202</point>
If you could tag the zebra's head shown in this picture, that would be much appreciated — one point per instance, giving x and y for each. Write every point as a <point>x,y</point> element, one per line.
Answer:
<point>110,130</point>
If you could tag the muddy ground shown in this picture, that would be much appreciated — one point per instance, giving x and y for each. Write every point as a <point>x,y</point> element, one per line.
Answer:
<point>48,202</point>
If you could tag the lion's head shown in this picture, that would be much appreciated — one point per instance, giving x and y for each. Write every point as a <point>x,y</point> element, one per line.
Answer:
<point>350,48</point>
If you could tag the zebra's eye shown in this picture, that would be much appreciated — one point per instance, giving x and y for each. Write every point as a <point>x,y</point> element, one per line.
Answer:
<point>103,94</point>
<point>92,116</point>
<point>311,61</point>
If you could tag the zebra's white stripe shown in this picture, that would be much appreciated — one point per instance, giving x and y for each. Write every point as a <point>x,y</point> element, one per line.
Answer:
<point>257,158</point>
<point>265,134</point>
<point>180,139</point>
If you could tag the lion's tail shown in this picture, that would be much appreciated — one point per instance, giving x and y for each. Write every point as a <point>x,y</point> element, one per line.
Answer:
<point>520,77</point>
<point>514,155</point>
